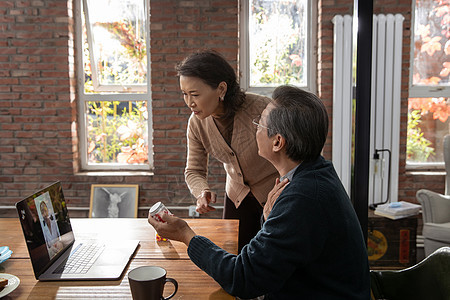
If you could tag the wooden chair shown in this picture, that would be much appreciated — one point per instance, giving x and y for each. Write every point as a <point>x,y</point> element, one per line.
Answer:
<point>428,279</point>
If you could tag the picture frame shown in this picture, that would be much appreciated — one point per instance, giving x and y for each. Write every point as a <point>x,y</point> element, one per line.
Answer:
<point>114,201</point>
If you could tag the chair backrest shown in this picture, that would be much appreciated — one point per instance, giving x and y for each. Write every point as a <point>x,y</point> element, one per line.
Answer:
<point>435,206</point>
<point>429,279</point>
<point>447,163</point>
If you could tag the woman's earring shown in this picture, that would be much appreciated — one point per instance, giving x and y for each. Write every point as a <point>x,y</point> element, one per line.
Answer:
<point>221,98</point>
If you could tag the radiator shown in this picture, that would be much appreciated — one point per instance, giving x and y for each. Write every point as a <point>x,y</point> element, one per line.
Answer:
<point>385,104</point>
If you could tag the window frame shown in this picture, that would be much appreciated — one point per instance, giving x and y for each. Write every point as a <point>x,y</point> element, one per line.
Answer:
<point>244,50</point>
<point>95,81</point>
<point>117,93</point>
<point>421,91</point>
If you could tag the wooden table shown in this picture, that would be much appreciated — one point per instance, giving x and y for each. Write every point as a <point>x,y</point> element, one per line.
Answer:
<point>193,283</point>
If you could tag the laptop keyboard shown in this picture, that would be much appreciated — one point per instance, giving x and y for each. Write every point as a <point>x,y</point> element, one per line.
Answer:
<point>80,260</point>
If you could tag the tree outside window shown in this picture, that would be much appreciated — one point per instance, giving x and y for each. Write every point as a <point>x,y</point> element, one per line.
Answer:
<point>429,104</point>
<point>276,44</point>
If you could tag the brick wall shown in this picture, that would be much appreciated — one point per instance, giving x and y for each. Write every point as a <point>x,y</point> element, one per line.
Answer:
<point>35,107</point>
<point>38,143</point>
<point>326,10</point>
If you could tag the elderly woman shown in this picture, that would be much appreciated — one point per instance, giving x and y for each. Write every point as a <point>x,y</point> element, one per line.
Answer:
<point>221,126</point>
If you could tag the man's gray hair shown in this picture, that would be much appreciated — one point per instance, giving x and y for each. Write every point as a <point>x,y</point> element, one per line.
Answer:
<point>302,119</point>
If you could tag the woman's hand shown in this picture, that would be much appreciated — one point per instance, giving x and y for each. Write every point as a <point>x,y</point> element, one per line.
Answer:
<point>172,228</point>
<point>273,196</point>
<point>204,200</point>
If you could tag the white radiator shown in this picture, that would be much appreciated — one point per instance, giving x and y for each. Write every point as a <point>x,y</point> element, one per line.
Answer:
<point>385,103</point>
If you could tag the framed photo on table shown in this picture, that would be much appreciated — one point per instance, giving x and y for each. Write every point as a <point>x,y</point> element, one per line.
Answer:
<point>114,201</point>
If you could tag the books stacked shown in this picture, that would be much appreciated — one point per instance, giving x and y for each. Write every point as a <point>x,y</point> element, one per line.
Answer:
<point>397,210</point>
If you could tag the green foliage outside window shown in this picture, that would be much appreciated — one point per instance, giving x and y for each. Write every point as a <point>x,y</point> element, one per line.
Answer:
<point>287,68</point>
<point>431,68</point>
<point>117,135</point>
<point>417,147</point>
<point>278,53</point>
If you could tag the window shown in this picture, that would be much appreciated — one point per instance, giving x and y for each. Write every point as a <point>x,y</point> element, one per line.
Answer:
<point>277,44</point>
<point>113,84</point>
<point>429,102</point>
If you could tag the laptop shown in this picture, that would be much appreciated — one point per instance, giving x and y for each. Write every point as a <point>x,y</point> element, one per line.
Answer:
<point>53,250</point>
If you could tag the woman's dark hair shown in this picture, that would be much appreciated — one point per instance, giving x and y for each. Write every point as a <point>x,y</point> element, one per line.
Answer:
<point>302,119</point>
<point>212,68</point>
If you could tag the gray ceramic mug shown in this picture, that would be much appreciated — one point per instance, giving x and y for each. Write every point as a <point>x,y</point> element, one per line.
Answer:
<point>147,283</point>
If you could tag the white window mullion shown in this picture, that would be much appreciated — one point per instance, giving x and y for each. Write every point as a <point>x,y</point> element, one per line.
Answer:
<point>115,97</point>
<point>90,39</point>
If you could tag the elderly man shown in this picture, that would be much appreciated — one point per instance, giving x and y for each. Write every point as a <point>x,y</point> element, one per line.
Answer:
<point>310,245</point>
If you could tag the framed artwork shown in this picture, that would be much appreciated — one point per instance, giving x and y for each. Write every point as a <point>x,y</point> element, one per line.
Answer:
<point>114,201</point>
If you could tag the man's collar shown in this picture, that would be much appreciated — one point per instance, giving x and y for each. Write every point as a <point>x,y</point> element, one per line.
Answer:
<point>289,174</point>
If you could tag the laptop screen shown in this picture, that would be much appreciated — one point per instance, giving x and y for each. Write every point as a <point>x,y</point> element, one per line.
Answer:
<point>46,225</point>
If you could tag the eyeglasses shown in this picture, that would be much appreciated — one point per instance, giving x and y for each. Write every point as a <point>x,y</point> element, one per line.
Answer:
<point>257,124</point>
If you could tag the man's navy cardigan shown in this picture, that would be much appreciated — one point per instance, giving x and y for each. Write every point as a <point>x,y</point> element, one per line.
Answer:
<point>310,247</point>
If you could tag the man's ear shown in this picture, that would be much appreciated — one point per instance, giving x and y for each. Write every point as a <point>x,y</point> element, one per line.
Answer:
<point>278,143</point>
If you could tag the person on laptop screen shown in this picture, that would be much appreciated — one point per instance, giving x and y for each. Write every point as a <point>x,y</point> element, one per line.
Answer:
<point>49,224</point>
